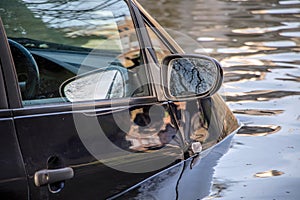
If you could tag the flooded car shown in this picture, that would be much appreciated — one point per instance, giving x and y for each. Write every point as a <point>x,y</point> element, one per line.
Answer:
<point>96,98</point>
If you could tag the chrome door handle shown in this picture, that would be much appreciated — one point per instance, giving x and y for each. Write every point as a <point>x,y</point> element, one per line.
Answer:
<point>49,176</point>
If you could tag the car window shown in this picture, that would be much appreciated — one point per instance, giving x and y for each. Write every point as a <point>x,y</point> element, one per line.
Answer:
<point>159,47</point>
<point>77,50</point>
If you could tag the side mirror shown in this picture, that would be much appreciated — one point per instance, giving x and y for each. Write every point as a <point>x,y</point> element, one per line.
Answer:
<point>190,76</point>
<point>100,84</point>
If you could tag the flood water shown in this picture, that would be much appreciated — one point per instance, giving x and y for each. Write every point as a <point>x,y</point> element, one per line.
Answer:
<point>258,44</point>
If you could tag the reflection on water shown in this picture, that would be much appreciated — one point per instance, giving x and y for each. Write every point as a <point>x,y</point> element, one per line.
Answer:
<point>283,43</point>
<point>264,95</point>
<point>259,112</point>
<point>258,130</point>
<point>261,30</point>
<point>291,78</point>
<point>277,11</point>
<point>268,174</point>
<point>287,2</point>
<point>290,34</point>
<point>258,44</point>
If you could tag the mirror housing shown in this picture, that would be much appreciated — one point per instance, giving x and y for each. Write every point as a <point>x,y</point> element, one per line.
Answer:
<point>190,76</point>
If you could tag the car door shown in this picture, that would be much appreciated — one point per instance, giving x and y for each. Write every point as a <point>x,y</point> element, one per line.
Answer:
<point>81,148</point>
<point>13,182</point>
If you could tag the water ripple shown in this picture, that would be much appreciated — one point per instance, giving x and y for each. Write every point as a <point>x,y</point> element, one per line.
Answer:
<point>292,78</point>
<point>258,130</point>
<point>262,30</point>
<point>259,95</point>
<point>292,2</point>
<point>290,34</point>
<point>277,11</point>
<point>261,59</point>
<point>261,112</point>
<point>283,43</point>
<point>268,174</point>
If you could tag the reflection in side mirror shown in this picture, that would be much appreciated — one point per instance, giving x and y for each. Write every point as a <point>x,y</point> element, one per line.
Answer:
<point>188,76</point>
<point>96,85</point>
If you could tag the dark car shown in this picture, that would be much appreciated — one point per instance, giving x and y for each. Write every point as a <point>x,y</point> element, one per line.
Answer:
<point>96,97</point>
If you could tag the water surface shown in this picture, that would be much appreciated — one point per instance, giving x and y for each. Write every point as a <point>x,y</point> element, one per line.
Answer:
<point>258,44</point>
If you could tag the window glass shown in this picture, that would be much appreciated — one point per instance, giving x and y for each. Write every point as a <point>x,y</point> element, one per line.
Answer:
<point>76,50</point>
<point>160,48</point>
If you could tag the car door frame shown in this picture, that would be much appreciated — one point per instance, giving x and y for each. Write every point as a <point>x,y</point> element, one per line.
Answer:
<point>13,181</point>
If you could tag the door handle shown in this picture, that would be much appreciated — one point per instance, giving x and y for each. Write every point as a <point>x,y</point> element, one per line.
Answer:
<point>49,176</point>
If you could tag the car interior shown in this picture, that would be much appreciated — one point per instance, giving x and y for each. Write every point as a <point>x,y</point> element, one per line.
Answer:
<point>43,68</point>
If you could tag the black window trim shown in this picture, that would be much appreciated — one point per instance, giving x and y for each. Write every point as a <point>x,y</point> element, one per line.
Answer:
<point>145,43</point>
<point>159,30</point>
<point>8,71</point>
<point>69,107</point>
<point>3,96</point>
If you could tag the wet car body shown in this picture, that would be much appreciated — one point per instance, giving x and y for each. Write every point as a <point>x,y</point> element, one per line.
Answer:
<point>57,147</point>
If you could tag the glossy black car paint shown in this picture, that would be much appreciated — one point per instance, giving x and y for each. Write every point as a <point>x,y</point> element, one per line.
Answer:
<point>45,137</point>
<point>13,183</point>
<point>191,179</point>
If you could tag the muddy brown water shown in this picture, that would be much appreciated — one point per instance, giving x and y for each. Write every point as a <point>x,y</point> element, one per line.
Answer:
<point>258,44</point>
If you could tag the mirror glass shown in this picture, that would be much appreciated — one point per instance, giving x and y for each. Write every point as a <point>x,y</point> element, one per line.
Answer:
<point>191,76</point>
<point>103,84</point>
